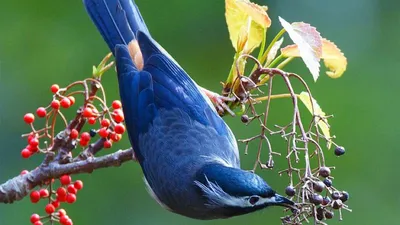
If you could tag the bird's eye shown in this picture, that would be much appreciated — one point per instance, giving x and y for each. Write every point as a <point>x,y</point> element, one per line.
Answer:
<point>253,200</point>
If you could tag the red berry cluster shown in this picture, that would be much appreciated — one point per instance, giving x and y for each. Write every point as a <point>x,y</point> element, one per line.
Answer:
<point>110,129</point>
<point>66,193</point>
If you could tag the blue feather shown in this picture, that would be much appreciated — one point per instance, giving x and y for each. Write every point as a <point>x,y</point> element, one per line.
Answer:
<point>117,21</point>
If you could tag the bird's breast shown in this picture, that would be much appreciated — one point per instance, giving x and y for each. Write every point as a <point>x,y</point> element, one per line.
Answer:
<point>174,148</point>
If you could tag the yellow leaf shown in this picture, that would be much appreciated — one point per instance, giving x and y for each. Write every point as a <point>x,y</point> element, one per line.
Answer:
<point>316,110</point>
<point>245,18</point>
<point>333,58</point>
<point>272,52</point>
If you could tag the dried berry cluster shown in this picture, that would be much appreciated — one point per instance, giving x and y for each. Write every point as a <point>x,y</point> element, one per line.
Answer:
<point>310,187</point>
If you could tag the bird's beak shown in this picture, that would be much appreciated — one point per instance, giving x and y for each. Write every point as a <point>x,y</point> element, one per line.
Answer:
<point>285,202</point>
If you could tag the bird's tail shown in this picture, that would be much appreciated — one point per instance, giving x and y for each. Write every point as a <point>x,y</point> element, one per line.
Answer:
<point>118,22</point>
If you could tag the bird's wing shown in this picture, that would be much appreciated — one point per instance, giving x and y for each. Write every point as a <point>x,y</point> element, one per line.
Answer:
<point>162,84</point>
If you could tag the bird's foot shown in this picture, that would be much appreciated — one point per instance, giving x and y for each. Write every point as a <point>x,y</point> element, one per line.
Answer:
<point>220,102</point>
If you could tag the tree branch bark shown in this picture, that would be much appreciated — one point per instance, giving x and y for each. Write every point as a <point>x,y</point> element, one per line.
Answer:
<point>18,187</point>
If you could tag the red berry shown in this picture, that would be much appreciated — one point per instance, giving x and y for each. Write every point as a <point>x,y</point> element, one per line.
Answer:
<point>71,189</point>
<point>65,102</point>
<point>71,99</point>
<point>78,185</point>
<point>118,115</point>
<point>87,112</point>
<point>74,134</point>
<point>23,172</point>
<point>105,122</point>
<point>103,132</point>
<point>54,88</point>
<point>71,198</point>
<point>64,219</point>
<point>83,143</point>
<point>61,213</point>
<point>92,120</point>
<point>119,128</point>
<point>29,118</point>
<point>34,142</point>
<point>34,218</point>
<point>31,136</point>
<point>25,153</point>
<point>69,222</point>
<point>56,203</point>
<point>61,191</point>
<point>38,223</point>
<point>85,136</point>
<point>32,149</point>
<point>41,112</point>
<point>115,137</point>
<point>49,208</point>
<point>35,196</point>
<point>55,104</point>
<point>65,179</point>
<point>44,193</point>
<point>107,144</point>
<point>61,198</point>
<point>116,104</point>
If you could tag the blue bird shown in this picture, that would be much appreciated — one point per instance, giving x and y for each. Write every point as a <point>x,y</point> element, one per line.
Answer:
<point>188,154</point>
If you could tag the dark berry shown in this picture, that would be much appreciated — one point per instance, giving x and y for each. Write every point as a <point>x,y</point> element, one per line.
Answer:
<point>290,191</point>
<point>92,132</point>
<point>320,213</point>
<point>337,204</point>
<point>326,200</point>
<point>324,171</point>
<point>335,195</point>
<point>329,214</point>
<point>344,196</point>
<point>328,182</point>
<point>339,150</point>
<point>316,199</point>
<point>319,186</point>
<point>244,118</point>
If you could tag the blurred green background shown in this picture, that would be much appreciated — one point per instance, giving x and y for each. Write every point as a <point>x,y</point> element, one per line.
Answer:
<point>54,41</point>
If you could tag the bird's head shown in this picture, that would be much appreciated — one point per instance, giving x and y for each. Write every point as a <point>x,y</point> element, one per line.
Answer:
<point>232,191</point>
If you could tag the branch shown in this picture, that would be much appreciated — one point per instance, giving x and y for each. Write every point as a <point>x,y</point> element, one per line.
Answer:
<point>18,187</point>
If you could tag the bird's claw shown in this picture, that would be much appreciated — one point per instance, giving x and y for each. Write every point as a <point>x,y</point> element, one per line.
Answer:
<point>220,102</point>
<point>221,105</point>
